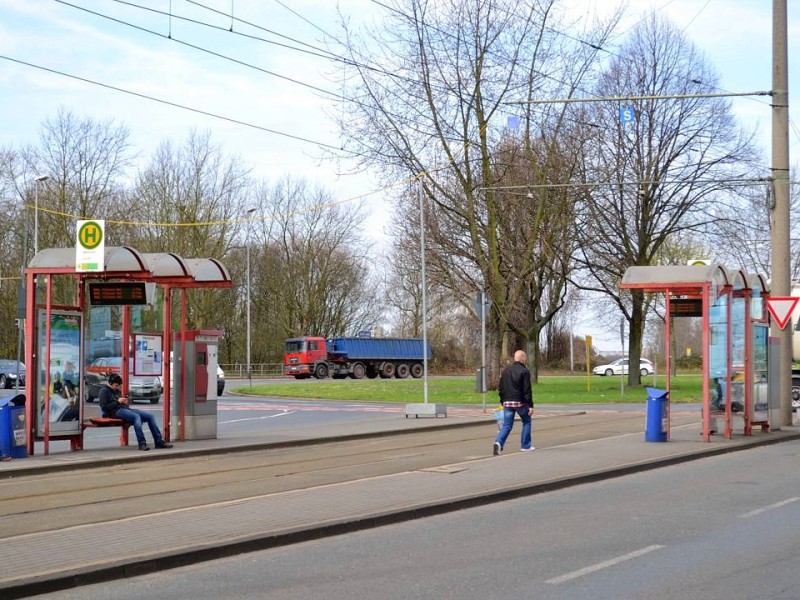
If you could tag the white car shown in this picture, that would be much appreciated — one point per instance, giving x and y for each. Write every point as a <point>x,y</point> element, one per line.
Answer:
<point>620,367</point>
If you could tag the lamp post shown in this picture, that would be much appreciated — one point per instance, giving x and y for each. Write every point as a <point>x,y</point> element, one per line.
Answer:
<point>38,180</point>
<point>247,246</point>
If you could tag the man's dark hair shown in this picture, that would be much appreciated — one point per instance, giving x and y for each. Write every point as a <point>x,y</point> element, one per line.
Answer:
<point>114,378</point>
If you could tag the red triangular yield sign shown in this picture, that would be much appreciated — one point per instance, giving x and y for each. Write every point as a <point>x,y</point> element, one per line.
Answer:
<point>781,307</point>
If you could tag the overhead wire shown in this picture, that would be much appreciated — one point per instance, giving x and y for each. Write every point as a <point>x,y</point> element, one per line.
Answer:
<point>168,102</point>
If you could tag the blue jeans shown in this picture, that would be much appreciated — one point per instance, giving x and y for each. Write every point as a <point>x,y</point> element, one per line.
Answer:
<point>508,424</point>
<point>136,418</point>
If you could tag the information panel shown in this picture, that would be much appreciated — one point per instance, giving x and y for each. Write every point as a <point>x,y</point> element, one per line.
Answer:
<point>117,293</point>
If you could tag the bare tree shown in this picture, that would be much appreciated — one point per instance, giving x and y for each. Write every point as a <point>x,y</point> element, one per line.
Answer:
<point>430,93</point>
<point>86,162</point>
<point>311,266</point>
<point>189,200</point>
<point>740,234</point>
<point>663,174</point>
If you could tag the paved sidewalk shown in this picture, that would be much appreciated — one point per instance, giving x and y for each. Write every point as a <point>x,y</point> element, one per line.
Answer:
<point>73,556</point>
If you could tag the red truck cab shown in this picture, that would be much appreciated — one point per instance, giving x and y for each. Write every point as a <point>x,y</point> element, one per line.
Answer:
<point>302,356</point>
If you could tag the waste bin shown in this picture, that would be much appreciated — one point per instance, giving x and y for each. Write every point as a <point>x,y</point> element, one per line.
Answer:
<point>656,426</point>
<point>13,432</point>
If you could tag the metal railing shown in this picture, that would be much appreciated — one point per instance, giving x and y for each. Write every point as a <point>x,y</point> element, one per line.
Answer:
<point>258,370</point>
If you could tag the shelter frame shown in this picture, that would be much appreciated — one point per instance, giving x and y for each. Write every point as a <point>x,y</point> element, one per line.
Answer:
<point>732,303</point>
<point>123,263</point>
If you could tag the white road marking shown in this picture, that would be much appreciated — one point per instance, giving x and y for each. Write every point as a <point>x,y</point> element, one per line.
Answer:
<point>604,565</point>
<point>764,509</point>
<point>283,414</point>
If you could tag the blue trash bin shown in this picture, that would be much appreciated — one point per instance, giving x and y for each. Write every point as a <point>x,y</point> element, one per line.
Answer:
<point>656,426</point>
<point>13,432</point>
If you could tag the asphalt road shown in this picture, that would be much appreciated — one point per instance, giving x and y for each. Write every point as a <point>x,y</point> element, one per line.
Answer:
<point>721,528</point>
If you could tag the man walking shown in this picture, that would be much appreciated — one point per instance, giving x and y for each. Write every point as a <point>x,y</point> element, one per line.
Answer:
<point>516,397</point>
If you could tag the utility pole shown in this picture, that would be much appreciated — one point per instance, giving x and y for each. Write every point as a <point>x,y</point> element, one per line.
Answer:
<point>779,222</point>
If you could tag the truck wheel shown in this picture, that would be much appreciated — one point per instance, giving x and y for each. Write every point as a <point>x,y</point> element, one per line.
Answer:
<point>402,371</point>
<point>388,370</point>
<point>359,370</point>
<point>321,371</point>
<point>795,394</point>
<point>417,370</point>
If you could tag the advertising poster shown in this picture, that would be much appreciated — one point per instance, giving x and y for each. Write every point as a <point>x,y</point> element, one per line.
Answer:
<point>64,367</point>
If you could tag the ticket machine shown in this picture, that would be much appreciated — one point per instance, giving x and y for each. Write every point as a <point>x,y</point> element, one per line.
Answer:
<point>194,385</point>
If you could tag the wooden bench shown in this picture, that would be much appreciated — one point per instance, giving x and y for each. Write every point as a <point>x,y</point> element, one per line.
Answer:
<point>110,422</point>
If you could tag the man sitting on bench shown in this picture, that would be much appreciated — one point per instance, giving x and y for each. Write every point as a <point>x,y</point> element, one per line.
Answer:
<point>113,404</point>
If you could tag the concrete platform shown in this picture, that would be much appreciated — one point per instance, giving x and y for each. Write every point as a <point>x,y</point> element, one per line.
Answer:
<point>104,548</point>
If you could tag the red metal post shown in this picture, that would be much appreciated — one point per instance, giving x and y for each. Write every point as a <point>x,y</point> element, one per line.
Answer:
<point>49,307</point>
<point>167,361</point>
<point>668,359</point>
<point>32,374</point>
<point>706,365</point>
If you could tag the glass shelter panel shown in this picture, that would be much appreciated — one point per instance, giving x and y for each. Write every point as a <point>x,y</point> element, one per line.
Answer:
<point>760,365</point>
<point>718,351</point>
<point>738,326</point>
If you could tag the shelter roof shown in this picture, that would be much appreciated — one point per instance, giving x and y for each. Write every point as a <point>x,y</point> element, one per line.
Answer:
<point>678,279</point>
<point>689,279</point>
<point>166,264</point>
<point>167,268</point>
<point>208,270</point>
<point>118,259</point>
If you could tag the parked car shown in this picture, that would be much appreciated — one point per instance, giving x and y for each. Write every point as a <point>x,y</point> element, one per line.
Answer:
<point>8,373</point>
<point>146,388</point>
<point>620,367</point>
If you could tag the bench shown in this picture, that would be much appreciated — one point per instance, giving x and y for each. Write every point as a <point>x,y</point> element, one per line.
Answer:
<point>110,422</point>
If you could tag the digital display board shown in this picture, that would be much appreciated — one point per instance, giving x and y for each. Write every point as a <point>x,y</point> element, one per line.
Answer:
<point>117,293</point>
<point>686,307</point>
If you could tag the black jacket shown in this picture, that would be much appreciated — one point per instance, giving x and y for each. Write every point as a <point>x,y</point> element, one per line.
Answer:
<point>515,384</point>
<point>109,400</point>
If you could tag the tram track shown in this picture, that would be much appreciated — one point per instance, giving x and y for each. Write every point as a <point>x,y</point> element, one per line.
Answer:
<point>52,501</point>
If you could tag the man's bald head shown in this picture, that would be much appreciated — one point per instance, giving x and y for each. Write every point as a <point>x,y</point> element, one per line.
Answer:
<point>520,356</point>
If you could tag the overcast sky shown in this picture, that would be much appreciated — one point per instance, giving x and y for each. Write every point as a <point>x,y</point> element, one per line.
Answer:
<point>735,35</point>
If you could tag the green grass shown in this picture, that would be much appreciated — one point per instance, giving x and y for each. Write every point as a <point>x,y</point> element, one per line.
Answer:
<point>461,390</point>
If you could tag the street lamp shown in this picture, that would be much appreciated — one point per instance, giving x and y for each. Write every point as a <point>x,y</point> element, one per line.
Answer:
<point>249,371</point>
<point>38,180</point>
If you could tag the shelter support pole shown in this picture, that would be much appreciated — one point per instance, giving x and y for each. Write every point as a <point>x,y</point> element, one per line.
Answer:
<point>126,349</point>
<point>706,363</point>
<point>48,281</point>
<point>748,365</point>
<point>167,362</point>
<point>667,360</point>
<point>182,399</point>
<point>33,372</point>
<point>728,363</point>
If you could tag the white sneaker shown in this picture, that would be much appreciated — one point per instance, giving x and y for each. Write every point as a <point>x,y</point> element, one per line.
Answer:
<point>496,450</point>
<point>531,449</point>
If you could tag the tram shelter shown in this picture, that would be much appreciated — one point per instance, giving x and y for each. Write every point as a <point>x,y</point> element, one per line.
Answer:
<point>58,300</point>
<point>735,334</point>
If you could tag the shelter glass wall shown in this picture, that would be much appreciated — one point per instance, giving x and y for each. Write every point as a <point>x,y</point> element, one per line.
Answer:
<point>718,351</point>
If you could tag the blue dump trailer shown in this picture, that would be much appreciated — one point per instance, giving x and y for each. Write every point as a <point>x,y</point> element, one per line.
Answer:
<point>355,357</point>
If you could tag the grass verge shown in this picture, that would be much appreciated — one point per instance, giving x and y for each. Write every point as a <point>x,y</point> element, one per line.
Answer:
<point>461,390</point>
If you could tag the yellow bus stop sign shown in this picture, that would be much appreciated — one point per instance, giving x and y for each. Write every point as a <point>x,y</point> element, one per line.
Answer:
<point>90,246</point>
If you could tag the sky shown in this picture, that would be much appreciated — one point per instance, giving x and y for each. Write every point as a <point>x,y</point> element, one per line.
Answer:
<point>272,106</point>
